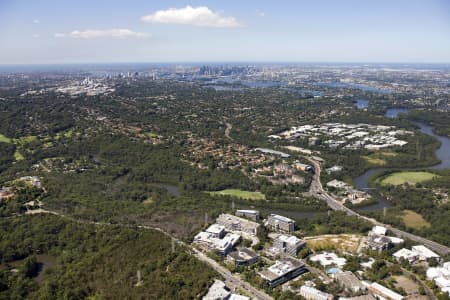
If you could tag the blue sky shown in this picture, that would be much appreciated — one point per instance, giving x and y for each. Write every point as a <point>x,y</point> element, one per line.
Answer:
<point>82,31</point>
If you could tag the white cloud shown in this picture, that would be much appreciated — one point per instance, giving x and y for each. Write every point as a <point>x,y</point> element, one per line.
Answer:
<point>108,33</point>
<point>59,35</point>
<point>200,16</point>
<point>260,13</point>
<point>35,36</point>
<point>36,21</point>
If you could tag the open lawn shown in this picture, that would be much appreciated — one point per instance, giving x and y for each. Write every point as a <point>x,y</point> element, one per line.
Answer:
<point>152,134</point>
<point>25,139</point>
<point>379,158</point>
<point>398,178</point>
<point>4,139</point>
<point>374,160</point>
<point>344,242</point>
<point>240,194</point>
<point>18,156</point>
<point>414,220</point>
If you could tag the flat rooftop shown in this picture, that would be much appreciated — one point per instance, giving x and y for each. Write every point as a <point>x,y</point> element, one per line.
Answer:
<point>281,268</point>
<point>281,218</point>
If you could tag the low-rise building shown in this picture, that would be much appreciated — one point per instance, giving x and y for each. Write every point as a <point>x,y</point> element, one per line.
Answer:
<point>288,243</point>
<point>334,169</point>
<point>418,252</point>
<point>329,259</point>
<point>379,230</point>
<point>7,193</point>
<point>243,257</point>
<point>277,222</point>
<point>234,223</point>
<point>223,245</point>
<point>311,293</point>
<point>362,297</point>
<point>406,254</point>
<point>33,180</point>
<point>349,281</point>
<point>378,242</point>
<point>337,184</point>
<point>248,213</point>
<point>424,253</point>
<point>283,270</point>
<point>382,292</point>
<point>303,167</point>
<point>216,230</point>
<point>440,276</point>
<point>217,291</point>
<point>238,297</point>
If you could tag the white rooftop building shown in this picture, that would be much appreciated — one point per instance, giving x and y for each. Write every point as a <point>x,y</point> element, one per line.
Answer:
<point>288,243</point>
<point>217,291</point>
<point>383,292</point>
<point>218,231</point>
<point>406,254</point>
<point>424,253</point>
<point>418,252</point>
<point>329,259</point>
<point>311,293</point>
<point>380,230</point>
<point>441,277</point>
<point>210,242</point>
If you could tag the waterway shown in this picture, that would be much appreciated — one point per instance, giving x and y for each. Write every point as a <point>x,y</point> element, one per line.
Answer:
<point>443,153</point>
<point>360,86</point>
<point>362,104</point>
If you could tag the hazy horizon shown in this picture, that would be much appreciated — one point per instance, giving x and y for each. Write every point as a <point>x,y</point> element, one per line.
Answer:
<point>350,31</point>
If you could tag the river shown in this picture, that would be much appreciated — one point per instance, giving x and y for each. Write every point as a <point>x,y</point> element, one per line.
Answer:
<point>443,153</point>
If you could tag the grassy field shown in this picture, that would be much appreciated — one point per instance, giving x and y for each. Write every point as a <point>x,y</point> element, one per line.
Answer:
<point>4,139</point>
<point>414,220</point>
<point>240,194</point>
<point>152,134</point>
<point>398,178</point>
<point>18,156</point>
<point>374,160</point>
<point>344,242</point>
<point>379,158</point>
<point>25,139</point>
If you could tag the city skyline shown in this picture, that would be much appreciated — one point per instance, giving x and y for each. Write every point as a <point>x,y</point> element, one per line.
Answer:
<point>49,32</point>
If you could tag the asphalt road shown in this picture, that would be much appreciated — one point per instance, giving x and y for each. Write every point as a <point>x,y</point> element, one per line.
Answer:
<point>232,281</point>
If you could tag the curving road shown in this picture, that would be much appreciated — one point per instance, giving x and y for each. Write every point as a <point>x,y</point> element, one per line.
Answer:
<point>231,280</point>
<point>316,190</point>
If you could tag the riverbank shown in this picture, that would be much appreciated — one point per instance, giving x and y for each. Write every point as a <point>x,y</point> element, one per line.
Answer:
<point>365,181</point>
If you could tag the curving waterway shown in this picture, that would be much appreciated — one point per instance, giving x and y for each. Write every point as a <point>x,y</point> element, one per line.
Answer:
<point>443,153</point>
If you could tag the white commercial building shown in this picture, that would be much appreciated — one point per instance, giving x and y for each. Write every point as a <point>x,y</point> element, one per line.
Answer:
<point>383,292</point>
<point>283,270</point>
<point>418,252</point>
<point>217,291</point>
<point>222,245</point>
<point>406,254</point>
<point>424,253</point>
<point>288,243</point>
<point>329,259</point>
<point>311,293</point>
<point>440,276</point>
<point>380,230</point>
<point>216,230</point>
<point>234,223</point>
<point>277,222</point>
